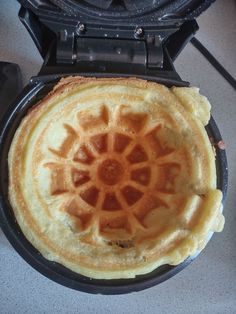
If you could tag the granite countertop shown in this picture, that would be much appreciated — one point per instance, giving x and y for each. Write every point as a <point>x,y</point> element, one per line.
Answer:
<point>208,285</point>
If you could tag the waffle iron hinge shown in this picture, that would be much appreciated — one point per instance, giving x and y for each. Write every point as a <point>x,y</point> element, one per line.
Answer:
<point>154,52</point>
<point>65,47</point>
<point>146,53</point>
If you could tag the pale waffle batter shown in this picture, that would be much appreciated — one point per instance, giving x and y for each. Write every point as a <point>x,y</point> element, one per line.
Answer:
<point>115,177</point>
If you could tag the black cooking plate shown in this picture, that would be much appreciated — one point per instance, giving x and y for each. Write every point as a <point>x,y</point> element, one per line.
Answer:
<point>123,9</point>
<point>30,96</point>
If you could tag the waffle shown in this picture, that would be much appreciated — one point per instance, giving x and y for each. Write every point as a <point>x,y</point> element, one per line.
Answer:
<point>114,177</point>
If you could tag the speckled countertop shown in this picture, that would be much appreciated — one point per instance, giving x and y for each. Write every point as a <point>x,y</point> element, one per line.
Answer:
<point>208,285</point>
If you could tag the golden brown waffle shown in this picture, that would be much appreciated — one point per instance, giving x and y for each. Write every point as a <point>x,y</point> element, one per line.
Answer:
<point>115,177</point>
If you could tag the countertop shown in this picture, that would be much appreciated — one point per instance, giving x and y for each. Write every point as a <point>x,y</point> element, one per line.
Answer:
<point>208,285</point>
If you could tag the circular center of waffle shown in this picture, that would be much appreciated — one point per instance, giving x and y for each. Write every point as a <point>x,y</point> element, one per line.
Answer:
<point>110,171</point>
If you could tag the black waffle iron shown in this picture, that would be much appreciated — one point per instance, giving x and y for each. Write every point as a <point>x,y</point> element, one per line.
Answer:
<point>102,38</point>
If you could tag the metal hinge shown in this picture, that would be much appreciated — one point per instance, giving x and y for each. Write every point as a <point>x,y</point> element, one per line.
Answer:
<point>146,53</point>
<point>65,47</point>
<point>154,52</point>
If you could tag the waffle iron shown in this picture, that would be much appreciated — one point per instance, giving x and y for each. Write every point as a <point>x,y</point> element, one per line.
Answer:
<point>102,38</point>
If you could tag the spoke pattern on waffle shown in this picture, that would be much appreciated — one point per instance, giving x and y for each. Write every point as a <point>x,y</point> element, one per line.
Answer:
<point>85,186</point>
<point>140,165</point>
<point>66,163</point>
<point>99,201</point>
<point>122,200</point>
<point>110,141</point>
<point>137,186</point>
<point>112,173</point>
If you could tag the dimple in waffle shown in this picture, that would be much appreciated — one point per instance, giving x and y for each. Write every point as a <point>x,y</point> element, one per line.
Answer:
<point>115,177</point>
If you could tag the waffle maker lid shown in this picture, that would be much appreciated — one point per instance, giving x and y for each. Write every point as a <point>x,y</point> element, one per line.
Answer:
<point>162,9</point>
<point>134,36</point>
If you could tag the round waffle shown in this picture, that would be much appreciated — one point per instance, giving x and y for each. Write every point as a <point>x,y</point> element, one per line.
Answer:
<point>115,177</point>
